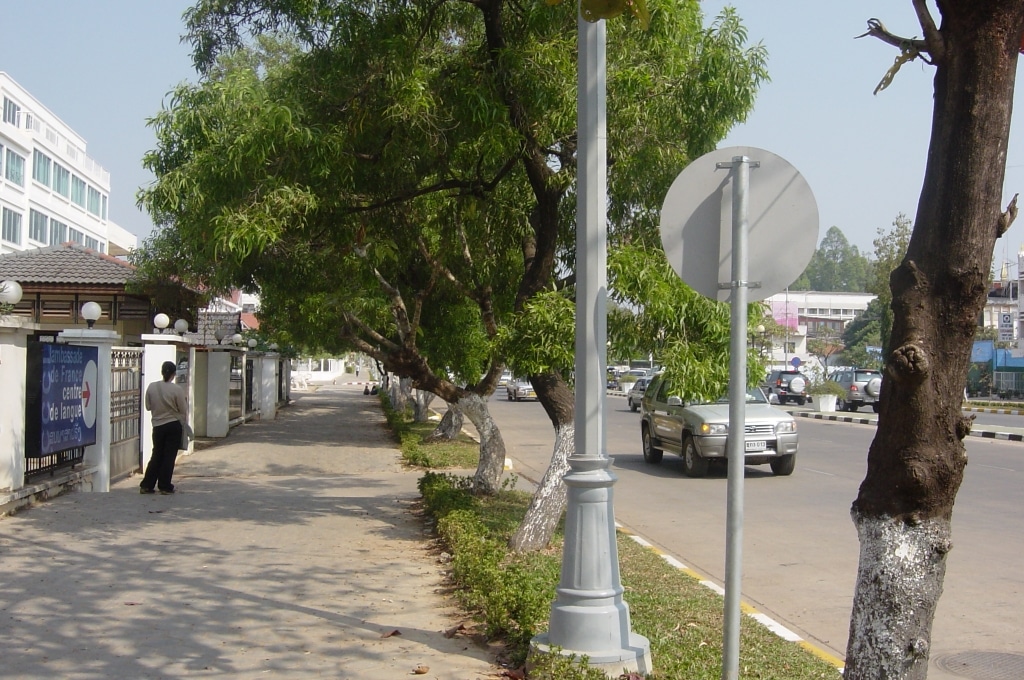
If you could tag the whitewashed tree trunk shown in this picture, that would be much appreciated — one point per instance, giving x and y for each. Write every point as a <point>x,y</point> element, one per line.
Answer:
<point>450,425</point>
<point>421,405</point>
<point>899,581</point>
<point>492,446</point>
<point>401,393</point>
<point>548,502</point>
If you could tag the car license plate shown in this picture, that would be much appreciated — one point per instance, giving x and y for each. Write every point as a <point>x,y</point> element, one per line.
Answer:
<point>759,445</point>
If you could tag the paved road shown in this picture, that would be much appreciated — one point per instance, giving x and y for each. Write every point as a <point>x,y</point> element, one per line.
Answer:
<point>800,546</point>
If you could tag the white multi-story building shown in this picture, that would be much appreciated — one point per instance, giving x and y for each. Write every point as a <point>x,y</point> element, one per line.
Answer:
<point>809,314</point>
<point>51,192</point>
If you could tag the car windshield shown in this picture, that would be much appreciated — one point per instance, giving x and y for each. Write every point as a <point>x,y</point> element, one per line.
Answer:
<point>754,396</point>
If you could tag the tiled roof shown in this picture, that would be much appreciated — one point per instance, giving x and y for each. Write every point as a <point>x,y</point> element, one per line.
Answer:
<point>68,263</point>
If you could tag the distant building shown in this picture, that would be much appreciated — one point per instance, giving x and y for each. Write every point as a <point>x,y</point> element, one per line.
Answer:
<point>810,314</point>
<point>51,192</point>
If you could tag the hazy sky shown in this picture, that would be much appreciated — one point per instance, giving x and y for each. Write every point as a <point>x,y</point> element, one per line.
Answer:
<point>105,66</point>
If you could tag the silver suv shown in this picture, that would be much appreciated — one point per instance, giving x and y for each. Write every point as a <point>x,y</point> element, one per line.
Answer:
<point>636,393</point>
<point>860,386</point>
<point>699,431</point>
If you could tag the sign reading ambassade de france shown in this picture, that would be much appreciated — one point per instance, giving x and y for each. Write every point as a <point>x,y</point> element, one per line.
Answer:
<point>62,399</point>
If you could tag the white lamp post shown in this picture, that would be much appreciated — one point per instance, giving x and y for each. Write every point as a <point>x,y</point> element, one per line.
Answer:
<point>252,343</point>
<point>181,327</point>
<point>236,339</point>
<point>91,312</point>
<point>161,321</point>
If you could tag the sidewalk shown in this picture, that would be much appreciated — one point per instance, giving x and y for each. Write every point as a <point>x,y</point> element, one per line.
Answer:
<point>289,552</point>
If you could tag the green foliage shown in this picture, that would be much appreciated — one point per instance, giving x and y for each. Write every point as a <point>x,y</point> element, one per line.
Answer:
<point>890,249</point>
<point>541,337</point>
<point>688,334</point>
<point>836,266</point>
<point>826,387</point>
<point>863,331</point>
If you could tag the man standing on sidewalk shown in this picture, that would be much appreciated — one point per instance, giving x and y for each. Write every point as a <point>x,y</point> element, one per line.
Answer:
<point>166,400</point>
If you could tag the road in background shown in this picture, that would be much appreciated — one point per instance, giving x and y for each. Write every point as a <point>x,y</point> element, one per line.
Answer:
<point>800,545</point>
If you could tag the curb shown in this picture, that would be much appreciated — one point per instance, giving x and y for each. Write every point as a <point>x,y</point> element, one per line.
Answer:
<point>984,434</point>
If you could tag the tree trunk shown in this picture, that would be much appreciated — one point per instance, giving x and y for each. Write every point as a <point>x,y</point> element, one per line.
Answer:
<point>450,425</point>
<point>400,394</point>
<point>421,405</point>
<point>492,446</point>
<point>548,502</point>
<point>904,509</point>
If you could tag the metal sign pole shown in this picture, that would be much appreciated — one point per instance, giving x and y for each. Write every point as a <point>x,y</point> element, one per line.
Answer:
<point>737,418</point>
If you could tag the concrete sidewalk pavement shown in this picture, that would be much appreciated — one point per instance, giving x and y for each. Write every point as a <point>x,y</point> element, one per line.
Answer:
<point>289,552</point>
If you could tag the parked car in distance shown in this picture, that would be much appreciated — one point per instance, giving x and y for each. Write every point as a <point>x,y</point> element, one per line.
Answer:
<point>699,432</point>
<point>637,393</point>
<point>787,386</point>
<point>860,386</point>
<point>518,389</point>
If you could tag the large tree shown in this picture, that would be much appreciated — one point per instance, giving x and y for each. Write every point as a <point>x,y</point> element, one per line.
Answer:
<point>836,266</point>
<point>418,148</point>
<point>904,509</point>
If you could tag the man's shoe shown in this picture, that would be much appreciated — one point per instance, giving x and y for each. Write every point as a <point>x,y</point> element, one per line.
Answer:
<point>166,492</point>
<point>143,489</point>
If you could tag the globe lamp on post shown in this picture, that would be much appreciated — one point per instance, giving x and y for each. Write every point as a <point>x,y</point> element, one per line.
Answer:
<point>10,292</point>
<point>181,327</point>
<point>236,339</point>
<point>252,343</point>
<point>161,321</point>
<point>91,312</point>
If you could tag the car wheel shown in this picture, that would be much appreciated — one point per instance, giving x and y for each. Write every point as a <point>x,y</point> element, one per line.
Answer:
<point>652,455</point>
<point>876,407</point>
<point>854,405</point>
<point>800,401</point>
<point>783,466</point>
<point>508,395</point>
<point>840,404</point>
<point>782,400</point>
<point>693,464</point>
<point>633,406</point>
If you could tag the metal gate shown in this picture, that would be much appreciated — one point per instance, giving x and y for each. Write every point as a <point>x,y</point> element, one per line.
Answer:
<point>125,411</point>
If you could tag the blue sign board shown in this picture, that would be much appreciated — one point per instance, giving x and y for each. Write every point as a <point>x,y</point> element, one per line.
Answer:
<point>68,397</point>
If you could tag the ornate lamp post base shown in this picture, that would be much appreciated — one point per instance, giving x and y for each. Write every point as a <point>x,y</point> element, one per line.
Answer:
<point>589,616</point>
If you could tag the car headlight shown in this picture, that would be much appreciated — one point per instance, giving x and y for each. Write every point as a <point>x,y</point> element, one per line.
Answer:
<point>785,427</point>
<point>713,428</point>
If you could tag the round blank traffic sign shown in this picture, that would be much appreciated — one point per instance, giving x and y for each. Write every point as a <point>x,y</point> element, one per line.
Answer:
<point>696,223</point>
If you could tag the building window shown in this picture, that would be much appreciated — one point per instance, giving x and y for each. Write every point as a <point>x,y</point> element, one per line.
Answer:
<point>103,248</point>
<point>15,168</point>
<point>58,232</point>
<point>61,180</point>
<point>94,202</point>
<point>11,112</point>
<point>11,231</point>
<point>37,226</point>
<point>90,242</point>
<point>41,167</point>
<point>103,207</point>
<point>76,236</point>
<point>78,190</point>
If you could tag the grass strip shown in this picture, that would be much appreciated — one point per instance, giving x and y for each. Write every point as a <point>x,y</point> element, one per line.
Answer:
<point>510,595</point>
